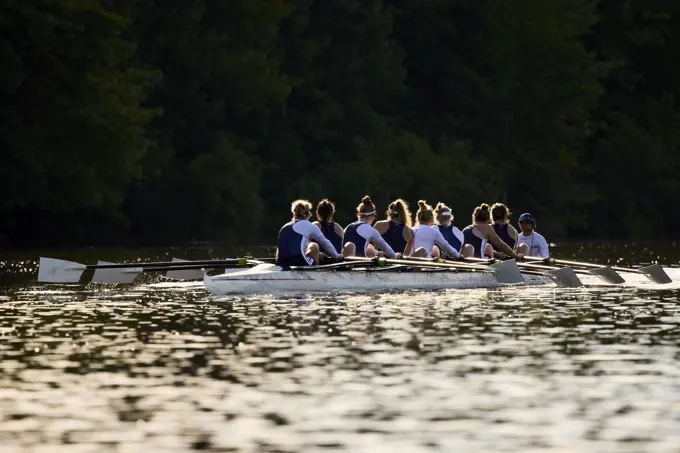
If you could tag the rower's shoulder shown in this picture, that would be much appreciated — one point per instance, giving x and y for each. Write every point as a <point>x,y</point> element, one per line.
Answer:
<point>382,226</point>
<point>338,228</point>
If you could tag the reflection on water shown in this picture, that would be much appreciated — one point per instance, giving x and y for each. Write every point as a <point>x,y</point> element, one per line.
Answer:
<point>532,369</point>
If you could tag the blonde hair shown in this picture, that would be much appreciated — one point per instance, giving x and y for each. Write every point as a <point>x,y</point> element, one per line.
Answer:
<point>443,213</point>
<point>481,213</point>
<point>366,207</point>
<point>398,211</point>
<point>424,214</point>
<point>301,208</point>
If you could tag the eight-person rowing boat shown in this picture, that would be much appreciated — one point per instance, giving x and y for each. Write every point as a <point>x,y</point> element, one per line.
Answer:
<point>393,255</point>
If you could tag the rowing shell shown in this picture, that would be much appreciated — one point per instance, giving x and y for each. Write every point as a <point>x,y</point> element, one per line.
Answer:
<point>268,279</point>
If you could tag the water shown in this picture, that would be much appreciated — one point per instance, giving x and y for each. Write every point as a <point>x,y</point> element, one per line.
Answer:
<point>137,369</point>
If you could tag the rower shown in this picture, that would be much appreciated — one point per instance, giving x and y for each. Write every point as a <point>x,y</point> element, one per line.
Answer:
<point>427,238</point>
<point>444,222</point>
<point>530,242</point>
<point>396,231</point>
<point>294,247</point>
<point>479,237</point>
<point>501,225</point>
<point>330,229</point>
<point>360,234</point>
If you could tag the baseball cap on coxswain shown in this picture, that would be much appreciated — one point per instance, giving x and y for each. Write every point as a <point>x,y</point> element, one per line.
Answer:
<point>526,217</point>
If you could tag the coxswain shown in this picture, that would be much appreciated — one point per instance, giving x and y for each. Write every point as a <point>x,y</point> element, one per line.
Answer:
<point>529,241</point>
<point>427,239</point>
<point>500,214</point>
<point>361,238</point>
<point>444,223</point>
<point>294,247</point>
<point>396,230</point>
<point>480,237</point>
<point>325,211</point>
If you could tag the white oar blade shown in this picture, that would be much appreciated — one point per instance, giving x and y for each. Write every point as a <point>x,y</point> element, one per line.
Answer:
<point>656,274</point>
<point>124,275</point>
<point>59,271</point>
<point>507,272</point>
<point>188,274</point>
<point>608,274</point>
<point>565,277</point>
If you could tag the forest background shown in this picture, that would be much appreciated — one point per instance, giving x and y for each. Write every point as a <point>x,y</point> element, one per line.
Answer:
<point>167,121</point>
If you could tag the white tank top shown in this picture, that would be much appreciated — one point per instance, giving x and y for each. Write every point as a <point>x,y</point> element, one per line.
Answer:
<point>427,237</point>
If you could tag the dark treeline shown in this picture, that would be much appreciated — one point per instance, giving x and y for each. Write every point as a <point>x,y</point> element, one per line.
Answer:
<point>162,121</point>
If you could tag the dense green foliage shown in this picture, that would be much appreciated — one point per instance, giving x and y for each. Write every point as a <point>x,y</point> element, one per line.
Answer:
<point>169,121</point>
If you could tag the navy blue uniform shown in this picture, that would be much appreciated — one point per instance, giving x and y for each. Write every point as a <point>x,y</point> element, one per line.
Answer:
<point>293,240</point>
<point>394,236</point>
<point>328,230</point>
<point>502,230</point>
<point>353,236</point>
<point>453,240</point>
<point>471,236</point>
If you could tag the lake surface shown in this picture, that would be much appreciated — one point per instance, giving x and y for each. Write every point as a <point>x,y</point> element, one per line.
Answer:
<point>138,369</point>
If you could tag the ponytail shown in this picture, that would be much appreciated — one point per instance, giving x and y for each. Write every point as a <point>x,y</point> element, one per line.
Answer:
<point>398,211</point>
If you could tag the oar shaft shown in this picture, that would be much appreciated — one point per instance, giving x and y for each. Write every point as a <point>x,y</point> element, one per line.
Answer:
<point>479,260</point>
<point>417,263</point>
<point>176,264</point>
<point>537,266</point>
<point>187,267</point>
<point>581,264</point>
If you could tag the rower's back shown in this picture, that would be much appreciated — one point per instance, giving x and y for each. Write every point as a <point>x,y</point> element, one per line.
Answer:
<point>474,237</point>
<point>353,234</point>
<point>393,233</point>
<point>452,235</point>
<point>396,229</point>
<point>292,244</point>
<point>333,232</point>
<point>503,232</point>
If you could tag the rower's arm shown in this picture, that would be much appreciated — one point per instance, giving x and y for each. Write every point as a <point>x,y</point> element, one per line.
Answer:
<point>512,232</point>
<point>338,230</point>
<point>408,235</point>
<point>323,241</point>
<point>500,244</point>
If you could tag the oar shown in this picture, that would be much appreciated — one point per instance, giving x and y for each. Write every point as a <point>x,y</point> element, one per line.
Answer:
<point>53,270</point>
<point>654,272</point>
<point>605,274</point>
<point>504,272</point>
<point>563,277</point>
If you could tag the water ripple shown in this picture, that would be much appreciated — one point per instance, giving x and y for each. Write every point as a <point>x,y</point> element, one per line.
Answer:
<point>144,370</point>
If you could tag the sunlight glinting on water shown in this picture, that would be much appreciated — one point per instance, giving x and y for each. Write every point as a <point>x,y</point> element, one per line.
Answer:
<point>170,368</point>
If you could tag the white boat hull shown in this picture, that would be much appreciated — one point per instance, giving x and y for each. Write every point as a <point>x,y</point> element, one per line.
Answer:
<point>270,279</point>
